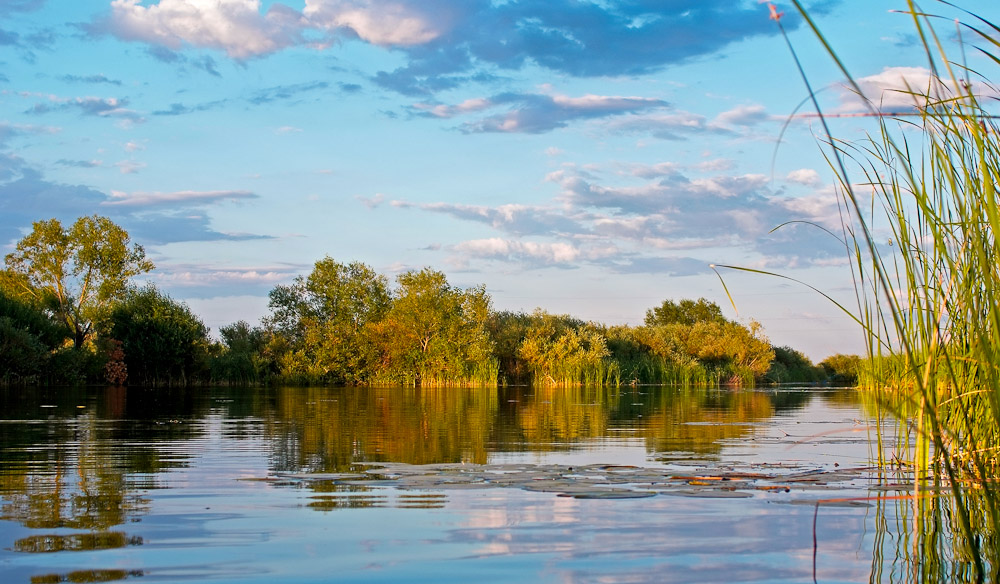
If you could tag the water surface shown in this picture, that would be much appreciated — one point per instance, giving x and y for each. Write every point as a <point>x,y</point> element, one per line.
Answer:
<point>405,485</point>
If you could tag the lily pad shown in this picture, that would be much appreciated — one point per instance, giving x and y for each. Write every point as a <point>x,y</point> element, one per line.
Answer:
<point>609,494</point>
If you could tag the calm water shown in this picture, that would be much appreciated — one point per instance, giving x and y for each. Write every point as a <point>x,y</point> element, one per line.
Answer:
<point>403,485</point>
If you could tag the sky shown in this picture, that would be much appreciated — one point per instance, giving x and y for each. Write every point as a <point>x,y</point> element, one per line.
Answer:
<point>586,157</point>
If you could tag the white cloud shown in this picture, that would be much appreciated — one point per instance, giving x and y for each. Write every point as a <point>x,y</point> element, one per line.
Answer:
<point>202,276</point>
<point>141,199</point>
<point>372,202</point>
<point>744,115</point>
<point>235,26</point>
<point>534,113</point>
<point>129,166</point>
<point>381,22</point>
<point>532,251</point>
<point>450,111</point>
<point>628,227</point>
<point>804,176</point>
<point>899,89</point>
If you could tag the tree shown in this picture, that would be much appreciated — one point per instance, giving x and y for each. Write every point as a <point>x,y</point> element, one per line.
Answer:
<point>740,352</point>
<point>27,338</point>
<point>321,322</point>
<point>841,368</point>
<point>687,312</point>
<point>346,294</point>
<point>436,334</point>
<point>790,365</point>
<point>164,342</point>
<point>561,350</point>
<point>243,360</point>
<point>75,273</point>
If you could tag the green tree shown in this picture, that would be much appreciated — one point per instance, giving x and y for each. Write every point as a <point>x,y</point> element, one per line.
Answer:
<point>349,295</point>
<point>322,322</point>
<point>740,353</point>
<point>243,359</point>
<point>841,368</point>
<point>436,334</point>
<point>164,342</point>
<point>561,350</point>
<point>76,273</point>
<point>790,365</point>
<point>686,312</point>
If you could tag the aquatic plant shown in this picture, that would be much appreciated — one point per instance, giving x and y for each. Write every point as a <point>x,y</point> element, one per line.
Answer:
<point>928,290</point>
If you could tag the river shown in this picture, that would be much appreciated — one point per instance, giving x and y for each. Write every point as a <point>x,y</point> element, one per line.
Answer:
<point>631,485</point>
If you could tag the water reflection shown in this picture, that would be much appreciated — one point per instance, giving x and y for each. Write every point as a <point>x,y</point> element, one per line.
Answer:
<point>77,542</point>
<point>80,460</point>
<point>324,431</point>
<point>89,474</point>
<point>86,576</point>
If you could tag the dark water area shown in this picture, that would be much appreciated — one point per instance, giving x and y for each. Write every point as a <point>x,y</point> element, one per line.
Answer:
<point>645,484</point>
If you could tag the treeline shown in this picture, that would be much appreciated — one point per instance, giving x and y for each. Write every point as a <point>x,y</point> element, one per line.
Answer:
<point>68,314</point>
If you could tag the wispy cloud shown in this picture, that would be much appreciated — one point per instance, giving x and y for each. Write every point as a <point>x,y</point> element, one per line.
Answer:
<point>8,131</point>
<point>157,218</point>
<point>655,217</point>
<point>537,113</point>
<point>187,198</point>
<point>285,92</point>
<point>179,109</point>
<point>204,62</point>
<point>261,97</point>
<point>372,202</point>
<point>744,115</point>
<point>9,6</point>
<point>97,79</point>
<point>107,107</point>
<point>207,280</point>
<point>79,163</point>
<point>129,166</point>
<point>201,275</point>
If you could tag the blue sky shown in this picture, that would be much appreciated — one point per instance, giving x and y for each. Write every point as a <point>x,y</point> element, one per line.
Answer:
<point>590,157</point>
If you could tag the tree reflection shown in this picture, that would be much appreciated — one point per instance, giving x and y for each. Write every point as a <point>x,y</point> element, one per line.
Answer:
<point>82,464</point>
<point>329,430</point>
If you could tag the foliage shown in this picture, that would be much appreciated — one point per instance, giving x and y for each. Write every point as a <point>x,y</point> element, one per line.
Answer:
<point>790,366</point>
<point>243,360</point>
<point>562,351</point>
<point>163,341</point>
<point>508,330</point>
<point>75,273</point>
<point>654,354</point>
<point>322,323</point>
<point>341,324</point>
<point>115,370</point>
<point>28,337</point>
<point>841,369</point>
<point>686,312</point>
<point>436,334</point>
<point>921,236</point>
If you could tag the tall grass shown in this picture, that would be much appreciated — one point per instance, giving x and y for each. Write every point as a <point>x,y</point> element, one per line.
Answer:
<point>919,212</point>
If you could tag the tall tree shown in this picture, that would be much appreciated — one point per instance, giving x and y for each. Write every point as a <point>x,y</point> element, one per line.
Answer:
<point>684,312</point>
<point>75,273</point>
<point>320,320</point>
<point>164,342</point>
<point>435,333</point>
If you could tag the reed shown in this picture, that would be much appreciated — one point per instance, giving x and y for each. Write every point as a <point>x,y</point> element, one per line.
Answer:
<point>919,208</point>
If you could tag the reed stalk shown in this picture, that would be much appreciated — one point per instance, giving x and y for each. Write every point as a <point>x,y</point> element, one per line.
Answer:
<point>920,208</point>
